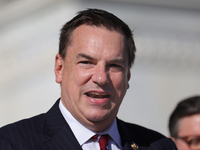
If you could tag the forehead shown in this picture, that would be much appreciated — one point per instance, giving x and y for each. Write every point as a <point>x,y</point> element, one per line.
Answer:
<point>190,125</point>
<point>85,30</point>
<point>88,38</point>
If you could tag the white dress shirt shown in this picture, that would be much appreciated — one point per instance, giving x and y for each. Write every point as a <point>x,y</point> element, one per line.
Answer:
<point>83,134</point>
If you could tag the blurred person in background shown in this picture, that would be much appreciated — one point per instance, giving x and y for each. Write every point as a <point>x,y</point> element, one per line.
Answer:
<point>96,53</point>
<point>184,124</point>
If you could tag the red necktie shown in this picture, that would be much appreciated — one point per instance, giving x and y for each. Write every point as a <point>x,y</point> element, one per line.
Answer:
<point>103,142</point>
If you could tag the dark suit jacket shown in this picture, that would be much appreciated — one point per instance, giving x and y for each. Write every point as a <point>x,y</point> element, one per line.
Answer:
<point>50,131</point>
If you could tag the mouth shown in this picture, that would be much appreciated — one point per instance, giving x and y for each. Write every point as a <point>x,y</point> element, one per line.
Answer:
<point>97,95</point>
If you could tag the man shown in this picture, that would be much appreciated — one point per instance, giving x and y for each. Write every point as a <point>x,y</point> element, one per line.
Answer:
<point>96,53</point>
<point>184,124</point>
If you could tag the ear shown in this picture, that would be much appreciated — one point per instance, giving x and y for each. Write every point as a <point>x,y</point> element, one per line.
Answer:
<point>128,77</point>
<point>58,68</point>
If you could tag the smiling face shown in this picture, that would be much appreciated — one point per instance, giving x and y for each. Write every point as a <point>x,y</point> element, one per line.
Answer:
<point>94,75</point>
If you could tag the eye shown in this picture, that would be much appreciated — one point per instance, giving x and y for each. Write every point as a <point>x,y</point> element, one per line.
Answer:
<point>115,67</point>
<point>86,64</point>
<point>195,141</point>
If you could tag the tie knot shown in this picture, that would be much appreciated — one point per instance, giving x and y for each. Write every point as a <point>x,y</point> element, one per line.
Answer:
<point>103,141</point>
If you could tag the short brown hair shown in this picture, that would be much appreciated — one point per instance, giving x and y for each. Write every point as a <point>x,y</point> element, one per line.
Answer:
<point>187,107</point>
<point>97,17</point>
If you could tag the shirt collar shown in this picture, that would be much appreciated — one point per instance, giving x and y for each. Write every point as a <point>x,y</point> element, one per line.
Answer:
<point>113,132</point>
<point>82,133</point>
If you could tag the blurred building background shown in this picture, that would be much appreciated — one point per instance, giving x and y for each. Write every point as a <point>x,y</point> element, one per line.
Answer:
<point>167,67</point>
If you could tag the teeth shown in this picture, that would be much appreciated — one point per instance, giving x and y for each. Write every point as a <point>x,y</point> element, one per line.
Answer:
<point>97,95</point>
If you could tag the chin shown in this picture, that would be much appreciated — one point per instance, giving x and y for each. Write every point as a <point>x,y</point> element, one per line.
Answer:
<point>97,117</point>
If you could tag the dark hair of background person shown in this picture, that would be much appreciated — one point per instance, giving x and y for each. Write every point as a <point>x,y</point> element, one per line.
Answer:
<point>187,107</point>
<point>97,17</point>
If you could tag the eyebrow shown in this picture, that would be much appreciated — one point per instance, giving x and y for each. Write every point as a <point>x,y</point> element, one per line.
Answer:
<point>117,60</point>
<point>85,56</point>
<point>121,61</point>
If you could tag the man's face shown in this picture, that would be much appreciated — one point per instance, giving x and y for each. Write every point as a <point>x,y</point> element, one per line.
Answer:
<point>189,127</point>
<point>94,75</point>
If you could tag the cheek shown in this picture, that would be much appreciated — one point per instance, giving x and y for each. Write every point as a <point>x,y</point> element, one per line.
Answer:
<point>181,145</point>
<point>82,76</point>
<point>119,81</point>
<point>77,81</point>
<point>120,84</point>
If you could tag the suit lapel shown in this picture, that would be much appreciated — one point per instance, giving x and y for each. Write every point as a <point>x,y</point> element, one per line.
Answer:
<point>128,140</point>
<point>57,132</point>
<point>132,146</point>
<point>63,139</point>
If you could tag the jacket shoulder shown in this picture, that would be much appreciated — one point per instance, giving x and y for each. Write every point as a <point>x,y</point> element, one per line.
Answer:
<point>25,124</point>
<point>143,136</point>
<point>22,131</point>
<point>138,130</point>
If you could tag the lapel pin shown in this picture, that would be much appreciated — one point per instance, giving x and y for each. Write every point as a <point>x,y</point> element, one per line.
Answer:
<point>134,146</point>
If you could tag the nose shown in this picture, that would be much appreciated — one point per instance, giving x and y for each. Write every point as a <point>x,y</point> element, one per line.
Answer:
<point>100,75</point>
